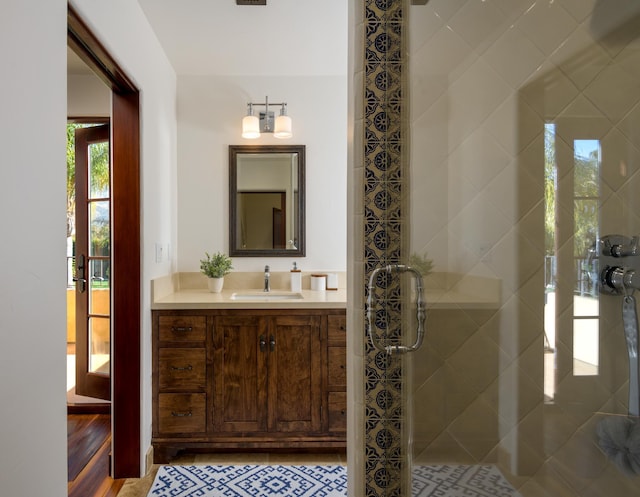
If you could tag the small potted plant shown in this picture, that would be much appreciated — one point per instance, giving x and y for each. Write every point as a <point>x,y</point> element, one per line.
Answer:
<point>215,267</point>
<point>421,263</point>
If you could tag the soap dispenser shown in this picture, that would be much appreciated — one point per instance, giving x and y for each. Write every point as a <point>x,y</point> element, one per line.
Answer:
<point>296,279</point>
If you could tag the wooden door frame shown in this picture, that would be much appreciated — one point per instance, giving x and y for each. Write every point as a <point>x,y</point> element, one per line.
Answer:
<point>126,264</point>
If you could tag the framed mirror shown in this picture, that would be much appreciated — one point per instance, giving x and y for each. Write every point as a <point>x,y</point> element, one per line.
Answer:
<point>266,200</point>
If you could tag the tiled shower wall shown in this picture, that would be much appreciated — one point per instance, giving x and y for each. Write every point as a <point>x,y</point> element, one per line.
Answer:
<point>485,76</point>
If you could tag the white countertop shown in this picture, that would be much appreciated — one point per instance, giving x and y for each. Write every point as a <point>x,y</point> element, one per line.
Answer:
<point>204,299</point>
<point>188,291</point>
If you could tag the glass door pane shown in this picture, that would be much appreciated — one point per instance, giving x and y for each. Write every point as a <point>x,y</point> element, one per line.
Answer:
<point>524,152</point>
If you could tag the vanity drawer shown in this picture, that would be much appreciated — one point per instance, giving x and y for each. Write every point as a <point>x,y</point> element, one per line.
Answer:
<point>337,328</point>
<point>337,411</point>
<point>337,367</point>
<point>182,328</point>
<point>182,413</point>
<point>182,369</point>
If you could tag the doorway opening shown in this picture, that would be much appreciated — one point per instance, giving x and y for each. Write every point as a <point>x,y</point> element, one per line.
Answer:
<point>125,264</point>
<point>88,265</point>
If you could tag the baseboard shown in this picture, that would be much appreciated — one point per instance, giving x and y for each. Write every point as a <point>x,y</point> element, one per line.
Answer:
<point>148,460</point>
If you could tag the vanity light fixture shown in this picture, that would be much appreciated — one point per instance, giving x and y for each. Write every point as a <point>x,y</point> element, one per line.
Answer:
<point>266,122</point>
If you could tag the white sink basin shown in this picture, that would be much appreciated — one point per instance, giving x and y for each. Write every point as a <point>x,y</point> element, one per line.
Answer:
<point>266,296</point>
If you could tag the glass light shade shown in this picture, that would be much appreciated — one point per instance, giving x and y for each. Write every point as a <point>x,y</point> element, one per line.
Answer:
<point>250,127</point>
<point>283,127</point>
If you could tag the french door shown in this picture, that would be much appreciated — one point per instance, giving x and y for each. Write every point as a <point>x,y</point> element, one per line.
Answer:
<point>93,262</point>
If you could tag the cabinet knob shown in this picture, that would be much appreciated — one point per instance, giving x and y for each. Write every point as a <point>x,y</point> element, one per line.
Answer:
<point>263,343</point>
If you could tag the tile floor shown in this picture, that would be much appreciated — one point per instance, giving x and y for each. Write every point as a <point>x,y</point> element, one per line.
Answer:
<point>139,487</point>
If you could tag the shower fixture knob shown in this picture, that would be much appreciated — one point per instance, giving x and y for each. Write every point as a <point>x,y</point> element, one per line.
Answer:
<point>620,246</point>
<point>618,280</point>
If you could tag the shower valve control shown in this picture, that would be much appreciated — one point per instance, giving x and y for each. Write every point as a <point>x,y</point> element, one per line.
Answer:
<point>614,276</point>
<point>626,247</point>
<point>618,279</point>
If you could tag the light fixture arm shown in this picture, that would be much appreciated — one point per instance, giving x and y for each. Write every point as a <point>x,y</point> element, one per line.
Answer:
<point>266,104</point>
<point>270,104</point>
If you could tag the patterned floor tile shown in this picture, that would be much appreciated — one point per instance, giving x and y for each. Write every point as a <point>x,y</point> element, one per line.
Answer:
<point>460,481</point>
<point>250,481</point>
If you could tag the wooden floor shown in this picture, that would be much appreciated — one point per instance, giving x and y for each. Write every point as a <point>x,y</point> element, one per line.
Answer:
<point>89,442</point>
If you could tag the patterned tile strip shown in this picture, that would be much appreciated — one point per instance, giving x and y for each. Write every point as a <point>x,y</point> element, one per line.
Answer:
<point>383,239</point>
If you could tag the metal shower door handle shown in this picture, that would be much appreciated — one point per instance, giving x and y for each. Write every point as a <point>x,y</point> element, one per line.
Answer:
<point>421,313</point>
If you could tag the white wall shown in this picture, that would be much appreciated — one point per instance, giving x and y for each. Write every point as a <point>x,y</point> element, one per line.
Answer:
<point>210,111</point>
<point>87,96</point>
<point>123,29</point>
<point>33,428</point>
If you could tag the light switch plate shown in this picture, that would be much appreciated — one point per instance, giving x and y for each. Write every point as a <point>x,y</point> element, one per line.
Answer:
<point>159,252</point>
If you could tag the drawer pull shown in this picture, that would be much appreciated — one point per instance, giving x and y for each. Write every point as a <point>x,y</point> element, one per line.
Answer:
<point>185,368</point>
<point>187,414</point>
<point>182,328</point>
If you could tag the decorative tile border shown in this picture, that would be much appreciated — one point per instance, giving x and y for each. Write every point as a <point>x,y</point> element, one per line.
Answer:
<point>383,239</point>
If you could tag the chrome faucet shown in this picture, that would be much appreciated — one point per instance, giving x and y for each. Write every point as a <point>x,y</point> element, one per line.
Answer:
<point>267,286</point>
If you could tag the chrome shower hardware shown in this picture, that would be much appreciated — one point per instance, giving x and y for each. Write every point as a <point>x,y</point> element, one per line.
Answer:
<point>616,278</point>
<point>619,246</point>
<point>421,313</point>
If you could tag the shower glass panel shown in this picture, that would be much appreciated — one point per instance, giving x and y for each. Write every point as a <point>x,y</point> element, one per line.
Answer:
<point>523,125</point>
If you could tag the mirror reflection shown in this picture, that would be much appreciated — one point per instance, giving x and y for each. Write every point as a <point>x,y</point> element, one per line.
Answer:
<point>266,200</point>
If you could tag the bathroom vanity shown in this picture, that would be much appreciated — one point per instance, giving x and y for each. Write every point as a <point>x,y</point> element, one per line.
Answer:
<point>237,373</point>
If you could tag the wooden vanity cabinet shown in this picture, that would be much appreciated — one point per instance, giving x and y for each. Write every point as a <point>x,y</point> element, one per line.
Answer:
<point>248,379</point>
<point>239,375</point>
<point>267,374</point>
<point>337,373</point>
<point>179,372</point>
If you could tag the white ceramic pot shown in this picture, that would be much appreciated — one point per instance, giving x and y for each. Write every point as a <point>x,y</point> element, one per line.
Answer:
<point>215,284</point>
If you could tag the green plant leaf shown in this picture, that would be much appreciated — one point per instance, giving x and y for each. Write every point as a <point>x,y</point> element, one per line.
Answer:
<point>216,265</point>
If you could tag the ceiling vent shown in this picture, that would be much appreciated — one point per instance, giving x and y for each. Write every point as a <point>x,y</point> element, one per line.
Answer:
<point>251,2</point>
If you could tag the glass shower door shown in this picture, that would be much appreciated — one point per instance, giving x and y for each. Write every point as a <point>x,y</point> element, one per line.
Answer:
<point>523,125</point>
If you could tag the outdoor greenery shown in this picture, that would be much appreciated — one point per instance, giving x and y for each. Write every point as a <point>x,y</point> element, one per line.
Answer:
<point>580,181</point>
<point>99,182</point>
<point>549,190</point>
<point>216,265</point>
<point>586,192</point>
<point>585,198</point>
<point>71,180</point>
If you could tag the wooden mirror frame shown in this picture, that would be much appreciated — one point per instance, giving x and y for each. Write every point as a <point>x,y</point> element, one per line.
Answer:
<point>234,151</point>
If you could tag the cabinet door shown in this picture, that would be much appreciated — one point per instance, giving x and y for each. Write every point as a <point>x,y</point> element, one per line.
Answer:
<point>239,372</point>
<point>295,377</point>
